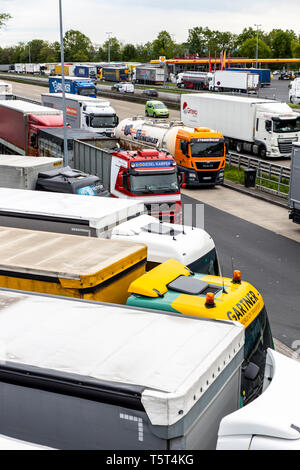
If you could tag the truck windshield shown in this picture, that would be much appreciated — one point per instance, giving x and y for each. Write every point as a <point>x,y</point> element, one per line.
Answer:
<point>88,91</point>
<point>286,125</point>
<point>207,264</point>
<point>207,149</point>
<point>258,338</point>
<point>103,121</point>
<point>159,183</point>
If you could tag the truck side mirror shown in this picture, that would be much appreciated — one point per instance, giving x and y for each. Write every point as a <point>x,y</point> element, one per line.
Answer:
<point>268,126</point>
<point>181,179</point>
<point>251,371</point>
<point>117,120</point>
<point>33,140</point>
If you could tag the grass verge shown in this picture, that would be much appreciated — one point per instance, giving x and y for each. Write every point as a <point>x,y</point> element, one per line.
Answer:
<point>237,176</point>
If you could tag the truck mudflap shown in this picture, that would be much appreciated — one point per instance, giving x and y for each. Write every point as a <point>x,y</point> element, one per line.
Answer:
<point>202,178</point>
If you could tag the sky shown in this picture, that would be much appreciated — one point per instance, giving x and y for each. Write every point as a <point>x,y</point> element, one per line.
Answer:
<point>139,21</point>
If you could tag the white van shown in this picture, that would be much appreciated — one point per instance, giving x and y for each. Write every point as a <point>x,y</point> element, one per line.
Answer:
<point>294,91</point>
<point>126,88</point>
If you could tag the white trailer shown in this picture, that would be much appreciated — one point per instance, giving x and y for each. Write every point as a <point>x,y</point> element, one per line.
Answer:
<point>294,192</point>
<point>271,421</point>
<point>5,91</point>
<point>115,218</point>
<point>92,114</point>
<point>20,68</point>
<point>32,69</point>
<point>294,91</point>
<point>20,172</point>
<point>264,127</point>
<point>158,380</point>
<point>227,80</point>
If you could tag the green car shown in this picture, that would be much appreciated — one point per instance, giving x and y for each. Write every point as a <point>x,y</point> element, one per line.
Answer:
<point>156,109</point>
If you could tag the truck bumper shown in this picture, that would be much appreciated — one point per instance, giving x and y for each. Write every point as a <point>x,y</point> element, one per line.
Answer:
<point>202,178</point>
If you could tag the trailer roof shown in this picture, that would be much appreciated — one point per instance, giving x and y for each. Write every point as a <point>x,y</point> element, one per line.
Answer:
<point>80,98</point>
<point>20,161</point>
<point>170,356</point>
<point>26,107</point>
<point>222,97</point>
<point>64,256</point>
<point>96,210</point>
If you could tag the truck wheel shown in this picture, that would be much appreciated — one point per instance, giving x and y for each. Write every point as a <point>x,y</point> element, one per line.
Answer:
<point>262,151</point>
<point>239,147</point>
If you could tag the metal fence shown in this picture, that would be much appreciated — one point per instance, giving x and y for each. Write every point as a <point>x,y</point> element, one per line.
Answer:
<point>271,177</point>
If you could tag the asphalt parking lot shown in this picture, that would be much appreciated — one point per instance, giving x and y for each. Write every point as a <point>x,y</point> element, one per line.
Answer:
<point>277,90</point>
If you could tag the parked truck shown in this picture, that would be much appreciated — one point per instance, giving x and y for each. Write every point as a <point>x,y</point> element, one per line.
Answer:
<point>86,71</point>
<point>86,113</point>
<point>198,151</point>
<point>116,219</point>
<point>263,74</point>
<point>148,175</point>
<point>73,85</point>
<point>69,266</point>
<point>264,127</point>
<point>194,80</point>
<point>270,421</point>
<point>32,69</point>
<point>173,287</point>
<point>114,74</point>
<point>149,75</point>
<point>239,82</point>
<point>157,381</point>
<point>20,122</point>
<point>294,91</point>
<point>294,192</point>
<point>6,92</point>
<point>46,174</point>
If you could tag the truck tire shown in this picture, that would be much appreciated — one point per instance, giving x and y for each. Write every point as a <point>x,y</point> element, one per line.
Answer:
<point>239,147</point>
<point>262,151</point>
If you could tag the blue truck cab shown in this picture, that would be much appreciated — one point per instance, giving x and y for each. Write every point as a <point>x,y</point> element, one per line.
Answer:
<point>73,85</point>
<point>264,74</point>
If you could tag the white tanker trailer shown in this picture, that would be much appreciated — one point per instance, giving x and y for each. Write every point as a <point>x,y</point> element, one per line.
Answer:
<point>198,152</point>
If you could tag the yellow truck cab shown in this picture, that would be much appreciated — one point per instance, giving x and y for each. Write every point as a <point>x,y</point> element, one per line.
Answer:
<point>173,287</point>
<point>68,265</point>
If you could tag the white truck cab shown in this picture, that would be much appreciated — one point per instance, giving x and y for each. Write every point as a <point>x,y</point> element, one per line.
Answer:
<point>83,112</point>
<point>271,421</point>
<point>192,247</point>
<point>294,91</point>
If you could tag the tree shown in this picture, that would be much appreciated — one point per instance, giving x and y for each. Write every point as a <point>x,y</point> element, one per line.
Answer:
<point>78,47</point>
<point>129,52</point>
<point>163,45</point>
<point>4,17</point>
<point>280,42</point>
<point>115,49</point>
<point>248,49</point>
<point>295,48</point>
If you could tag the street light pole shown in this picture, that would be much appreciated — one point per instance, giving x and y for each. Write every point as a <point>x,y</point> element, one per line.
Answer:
<point>29,53</point>
<point>62,53</point>
<point>109,33</point>
<point>257,26</point>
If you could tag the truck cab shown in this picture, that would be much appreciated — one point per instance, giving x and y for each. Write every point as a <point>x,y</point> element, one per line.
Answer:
<point>276,128</point>
<point>191,246</point>
<point>200,154</point>
<point>175,288</point>
<point>149,176</point>
<point>99,118</point>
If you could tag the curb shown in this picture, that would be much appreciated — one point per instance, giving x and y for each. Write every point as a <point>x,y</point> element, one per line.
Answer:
<point>264,197</point>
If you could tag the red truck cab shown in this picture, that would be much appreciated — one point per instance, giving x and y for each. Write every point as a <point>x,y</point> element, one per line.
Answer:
<point>151,176</point>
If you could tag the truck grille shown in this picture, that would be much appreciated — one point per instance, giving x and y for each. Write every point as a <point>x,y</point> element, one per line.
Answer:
<point>286,146</point>
<point>207,165</point>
